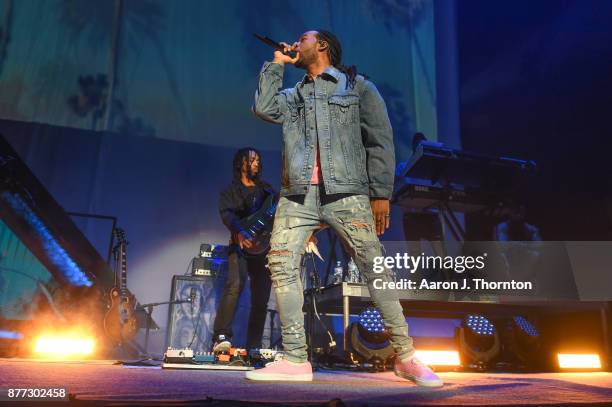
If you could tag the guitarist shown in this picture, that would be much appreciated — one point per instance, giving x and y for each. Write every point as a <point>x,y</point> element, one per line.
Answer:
<point>243,197</point>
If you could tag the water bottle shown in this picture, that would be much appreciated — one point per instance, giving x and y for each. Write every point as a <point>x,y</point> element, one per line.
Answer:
<point>353,272</point>
<point>337,277</point>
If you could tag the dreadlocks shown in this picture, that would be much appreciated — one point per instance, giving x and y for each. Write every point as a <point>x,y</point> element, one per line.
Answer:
<point>334,50</point>
<point>243,154</point>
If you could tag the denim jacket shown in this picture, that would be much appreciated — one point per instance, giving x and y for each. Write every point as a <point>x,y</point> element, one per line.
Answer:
<point>350,125</point>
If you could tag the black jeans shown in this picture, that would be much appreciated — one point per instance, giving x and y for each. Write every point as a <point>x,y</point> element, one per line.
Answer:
<point>238,268</point>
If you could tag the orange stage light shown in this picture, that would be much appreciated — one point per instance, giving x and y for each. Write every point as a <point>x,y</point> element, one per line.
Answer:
<point>579,361</point>
<point>439,357</point>
<point>64,346</point>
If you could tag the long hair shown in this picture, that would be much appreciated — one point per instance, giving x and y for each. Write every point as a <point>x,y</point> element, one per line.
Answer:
<point>243,154</point>
<point>334,50</point>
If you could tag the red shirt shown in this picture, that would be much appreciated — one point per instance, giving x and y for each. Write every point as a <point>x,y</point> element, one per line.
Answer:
<point>317,177</point>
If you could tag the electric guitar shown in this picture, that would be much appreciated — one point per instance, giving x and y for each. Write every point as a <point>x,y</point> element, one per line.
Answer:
<point>120,320</point>
<point>258,227</point>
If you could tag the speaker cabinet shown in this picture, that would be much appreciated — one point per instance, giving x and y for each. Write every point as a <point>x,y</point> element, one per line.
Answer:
<point>190,325</point>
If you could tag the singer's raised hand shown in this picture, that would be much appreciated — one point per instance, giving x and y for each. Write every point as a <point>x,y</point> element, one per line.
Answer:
<point>280,58</point>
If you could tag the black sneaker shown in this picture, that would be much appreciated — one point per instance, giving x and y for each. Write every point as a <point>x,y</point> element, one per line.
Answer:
<point>222,344</point>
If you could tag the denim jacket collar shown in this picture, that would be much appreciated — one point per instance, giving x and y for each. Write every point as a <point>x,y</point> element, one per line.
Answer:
<point>329,73</point>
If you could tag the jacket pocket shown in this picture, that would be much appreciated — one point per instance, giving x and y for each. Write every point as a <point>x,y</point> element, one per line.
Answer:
<point>344,109</point>
<point>296,115</point>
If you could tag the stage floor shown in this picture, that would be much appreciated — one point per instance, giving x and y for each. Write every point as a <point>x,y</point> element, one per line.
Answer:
<point>101,380</point>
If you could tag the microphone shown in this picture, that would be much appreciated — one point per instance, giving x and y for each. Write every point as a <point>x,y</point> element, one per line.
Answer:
<point>275,45</point>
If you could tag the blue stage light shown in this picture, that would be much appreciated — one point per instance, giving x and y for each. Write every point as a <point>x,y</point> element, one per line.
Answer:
<point>371,320</point>
<point>56,253</point>
<point>526,344</point>
<point>479,342</point>
<point>480,325</point>
<point>526,326</point>
<point>369,339</point>
<point>10,335</point>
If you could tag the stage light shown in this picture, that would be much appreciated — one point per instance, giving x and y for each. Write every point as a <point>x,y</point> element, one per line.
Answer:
<point>370,341</point>
<point>56,253</point>
<point>10,335</point>
<point>527,327</point>
<point>479,341</point>
<point>371,320</point>
<point>372,327</point>
<point>579,361</point>
<point>525,345</point>
<point>438,357</point>
<point>63,346</point>
<point>480,325</point>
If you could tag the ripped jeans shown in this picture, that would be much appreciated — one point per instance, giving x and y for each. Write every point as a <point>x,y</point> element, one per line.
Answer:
<point>297,217</point>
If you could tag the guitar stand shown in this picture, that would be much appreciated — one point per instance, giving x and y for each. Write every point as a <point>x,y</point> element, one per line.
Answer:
<point>133,353</point>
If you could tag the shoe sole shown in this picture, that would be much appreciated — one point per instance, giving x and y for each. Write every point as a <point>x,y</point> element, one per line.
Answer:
<point>256,376</point>
<point>424,383</point>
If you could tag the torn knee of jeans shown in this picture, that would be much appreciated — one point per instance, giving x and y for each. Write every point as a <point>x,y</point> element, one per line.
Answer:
<point>359,224</point>
<point>277,258</point>
<point>279,253</point>
<point>356,224</point>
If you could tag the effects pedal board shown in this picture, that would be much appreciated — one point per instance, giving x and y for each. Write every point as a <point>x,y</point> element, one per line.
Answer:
<point>184,355</point>
<point>206,357</point>
<point>234,359</point>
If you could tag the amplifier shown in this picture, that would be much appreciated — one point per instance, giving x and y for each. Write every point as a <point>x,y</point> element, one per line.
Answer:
<point>210,261</point>
<point>202,266</point>
<point>190,325</point>
<point>215,251</point>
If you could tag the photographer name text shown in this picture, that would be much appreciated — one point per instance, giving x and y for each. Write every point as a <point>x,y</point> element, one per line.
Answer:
<point>464,284</point>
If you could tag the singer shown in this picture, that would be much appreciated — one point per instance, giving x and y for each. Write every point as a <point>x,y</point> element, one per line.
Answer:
<point>338,165</point>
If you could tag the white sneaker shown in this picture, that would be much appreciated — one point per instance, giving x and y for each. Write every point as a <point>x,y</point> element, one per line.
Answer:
<point>222,344</point>
<point>282,370</point>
